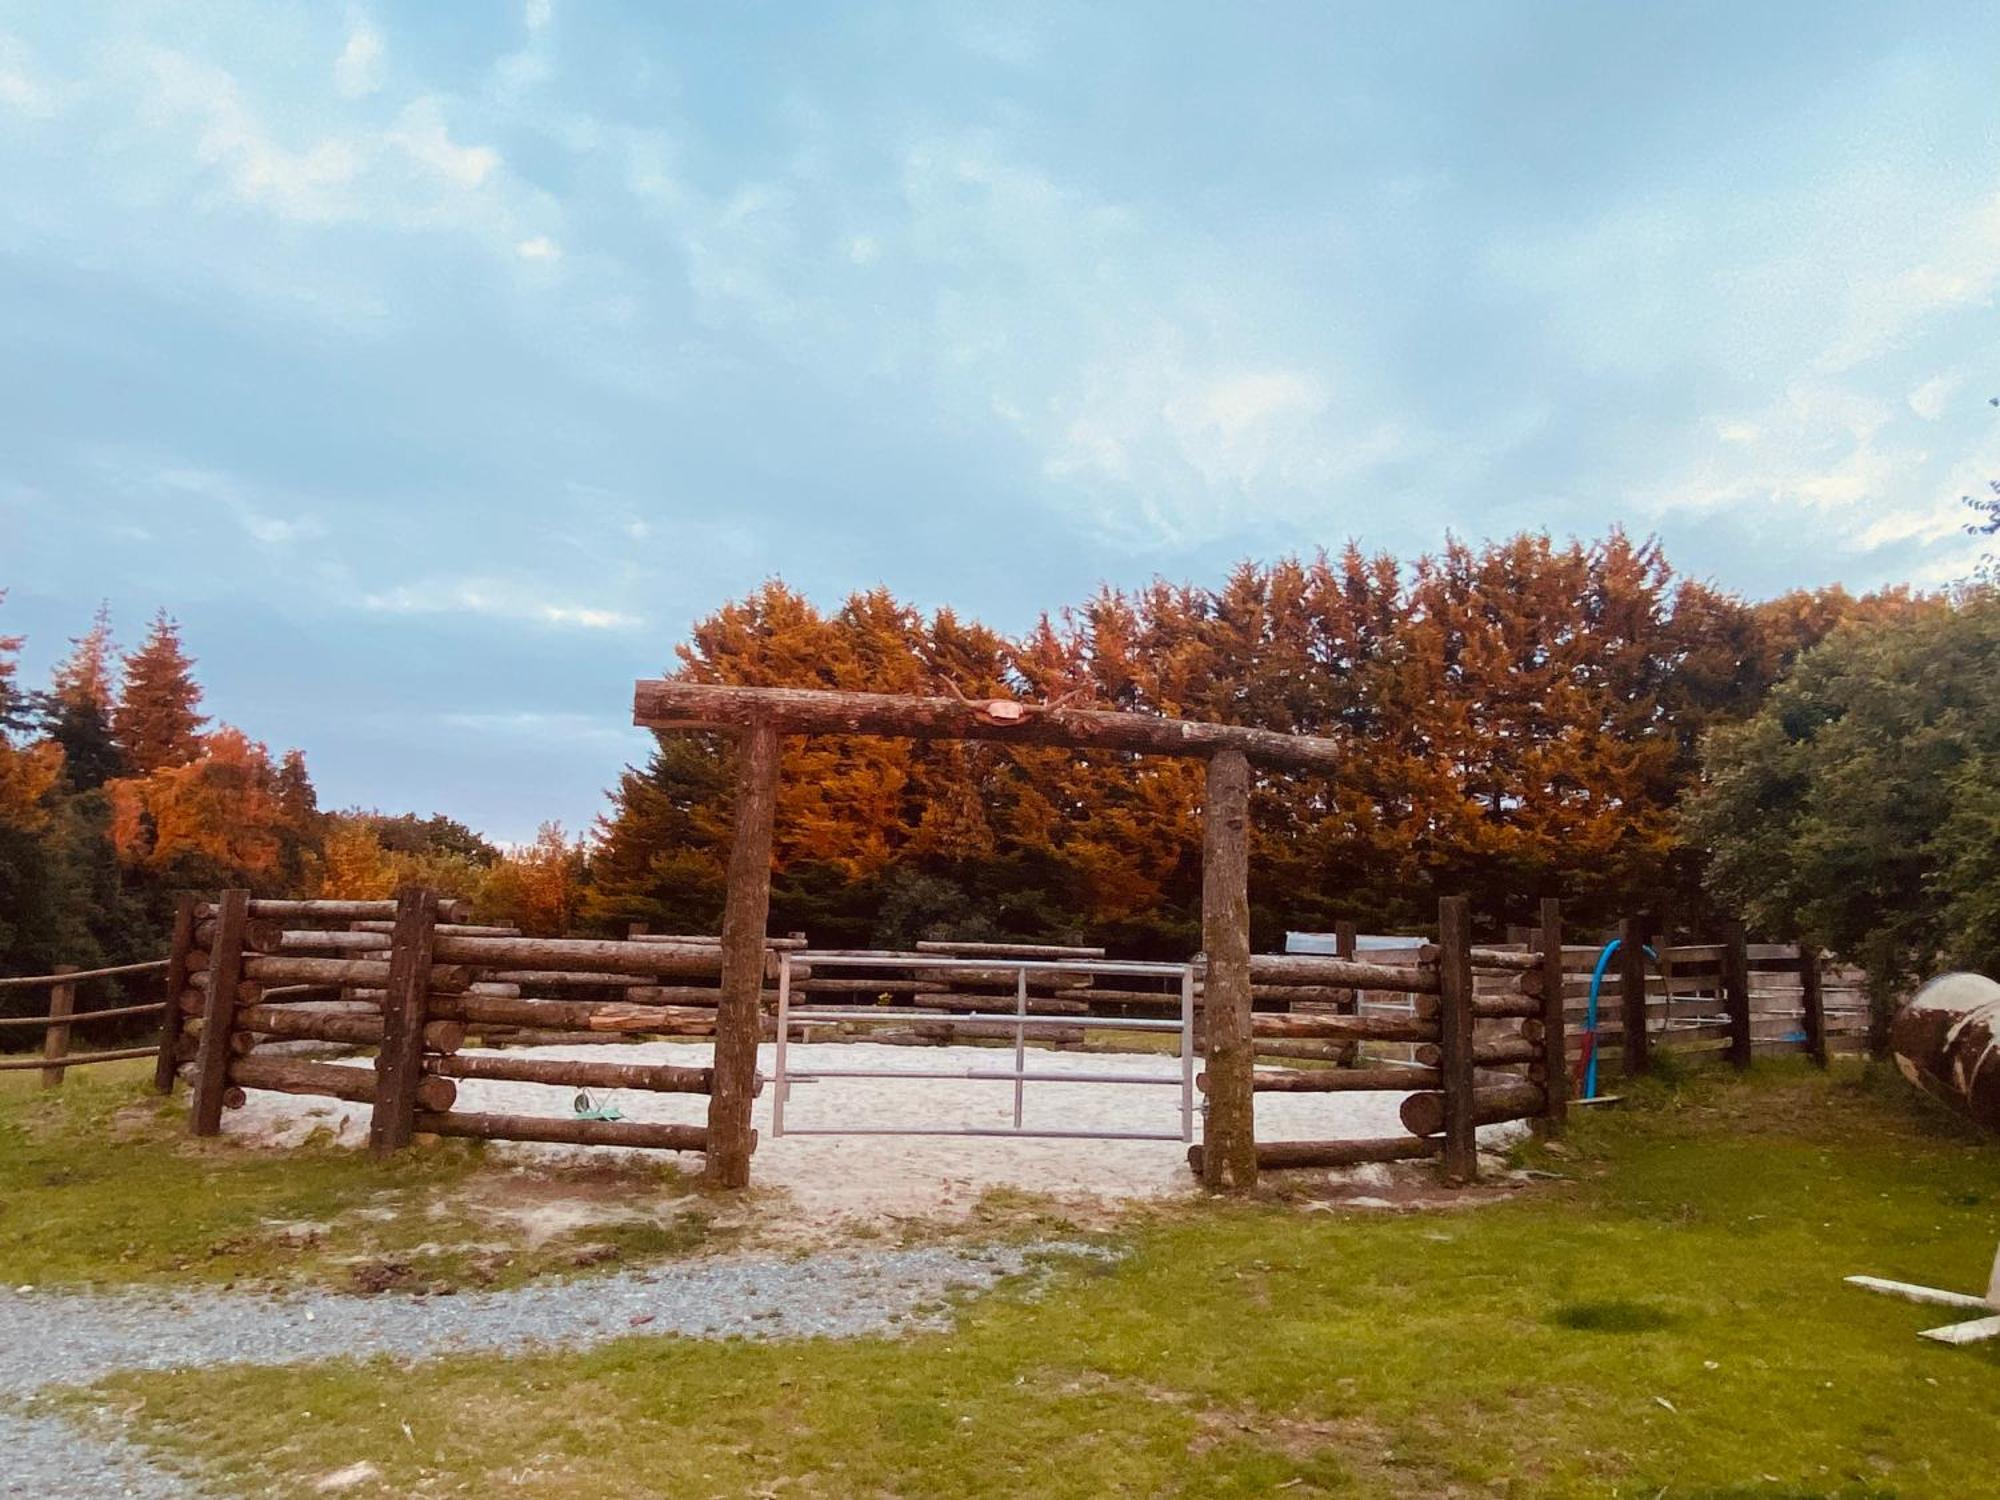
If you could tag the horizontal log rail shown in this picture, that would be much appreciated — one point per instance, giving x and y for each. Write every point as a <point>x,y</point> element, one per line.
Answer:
<point>76,1059</point>
<point>1345,1028</point>
<point>570,1132</point>
<point>30,981</point>
<point>570,1073</point>
<point>1346,973</point>
<point>1388,1080</point>
<point>667,705</point>
<point>77,1018</point>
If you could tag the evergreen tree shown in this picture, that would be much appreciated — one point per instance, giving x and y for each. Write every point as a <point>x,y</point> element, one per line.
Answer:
<point>77,711</point>
<point>155,722</point>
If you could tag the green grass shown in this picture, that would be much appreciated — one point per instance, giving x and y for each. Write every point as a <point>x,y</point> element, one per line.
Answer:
<point>100,1185</point>
<point>1668,1322</point>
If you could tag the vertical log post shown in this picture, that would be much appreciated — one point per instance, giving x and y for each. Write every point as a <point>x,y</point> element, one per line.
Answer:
<point>1461,1147</point>
<point>1812,998</point>
<point>399,1064</point>
<point>1636,1043</point>
<point>1552,1072</point>
<point>55,1039</point>
<point>1229,1133</point>
<point>1344,937</point>
<point>745,914</point>
<point>218,1014</point>
<point>168,1064</point>
<point>1736,991</point>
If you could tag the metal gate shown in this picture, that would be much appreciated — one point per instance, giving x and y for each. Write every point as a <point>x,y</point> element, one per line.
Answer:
<point>1019,1019</point>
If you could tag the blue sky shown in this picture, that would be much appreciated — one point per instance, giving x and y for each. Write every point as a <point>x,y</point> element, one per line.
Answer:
<point>439,365</point>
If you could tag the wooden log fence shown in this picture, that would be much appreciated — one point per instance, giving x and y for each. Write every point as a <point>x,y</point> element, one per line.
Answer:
<point>1468,1035</point>
<point>58,1023</point>
<point>245,972</point>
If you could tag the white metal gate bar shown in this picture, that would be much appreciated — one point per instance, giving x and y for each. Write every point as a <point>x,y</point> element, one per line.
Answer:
<point>1020,1075</point>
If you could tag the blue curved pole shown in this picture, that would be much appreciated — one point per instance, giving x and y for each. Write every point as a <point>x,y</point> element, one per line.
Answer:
<point>1590,1013</point>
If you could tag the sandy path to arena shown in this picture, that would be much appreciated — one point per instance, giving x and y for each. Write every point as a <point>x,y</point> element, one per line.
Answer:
<point>892,1176</point>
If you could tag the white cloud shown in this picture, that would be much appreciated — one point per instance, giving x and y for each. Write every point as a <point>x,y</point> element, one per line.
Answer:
<point>358,69</point>
<point>541,247</point>
<point>500,598</point>
<point>1930,399</point>
<point>22,88</point>
<point>537,14</point>
<point>1962,270</point>
<point>421,132</point>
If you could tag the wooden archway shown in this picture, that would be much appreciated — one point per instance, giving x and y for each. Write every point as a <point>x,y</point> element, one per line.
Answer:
<point>757,716</point>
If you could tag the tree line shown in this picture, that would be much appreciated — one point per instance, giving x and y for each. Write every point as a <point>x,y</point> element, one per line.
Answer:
<point>117,792</point>
<point>1519,718</point>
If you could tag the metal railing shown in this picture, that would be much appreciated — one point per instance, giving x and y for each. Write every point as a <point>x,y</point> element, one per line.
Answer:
<point>1018,1019</point>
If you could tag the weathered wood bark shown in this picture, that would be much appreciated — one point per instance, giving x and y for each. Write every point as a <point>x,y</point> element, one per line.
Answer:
<point>260,934</point>
<point>225,973</point>
<point>1229,1134</point>
<point>1635,1043</point>
<point>400,1062</point>
<point>1486,1007</point>
<point>608,956</point>
<point>1455,1060</point>
<point>689,705</point>
<point>172,1019</point>
<point>569,1073</point>
<point>1736,992</point>
<point>1812,1000</point>
<point>572,1015</point>
<point>1552,1070</point>
<point>1339,1080</point>
<point>569,1132</point>
<point>1346,938</point>
<point>55,1037</point>
<point>355,1030</point>
<point>1346,1028</point>
<point>1008,950</point>
<point>298,1075</point>
<point>1275,1156</point>
<point>1429,1114</point>
<point>330,911</point>
<point>1348,973</point>
<point>745,913</point>
<point>1497,1052</point>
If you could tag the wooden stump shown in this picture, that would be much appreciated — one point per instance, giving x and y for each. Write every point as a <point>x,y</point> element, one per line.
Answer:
<point>218,1015</point>
<point>1636,1044</point>
<point>1736,992</point>
<point>1553,1070</point>
<point>173,1017</point>
<point>1812,999</point>
<point>1229,1136</point>
<point>738,1014</point>
<point>55,1039</point>
<point>1455,1062</point>
<point>399,1065</point>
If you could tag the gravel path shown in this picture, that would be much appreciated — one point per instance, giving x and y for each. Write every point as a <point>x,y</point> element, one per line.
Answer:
<point>75,1338</point>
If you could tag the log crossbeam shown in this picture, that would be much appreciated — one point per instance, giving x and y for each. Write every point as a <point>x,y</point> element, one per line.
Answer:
<point>661,704</point>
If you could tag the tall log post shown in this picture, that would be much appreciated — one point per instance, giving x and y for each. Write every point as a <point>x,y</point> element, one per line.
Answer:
<point>1636,1045</point>
<point>1736,991</point>
<point>1812,999</point>
<point>399,1064</point>
<point>1552,1072</point>
<point>745,914</point>
<point>55,1039</point>
<point>218,1014</point>
<point>177,971</point>
<point>1229,1134</point>
<point>1344,944</point>
<point>1461,1148</point>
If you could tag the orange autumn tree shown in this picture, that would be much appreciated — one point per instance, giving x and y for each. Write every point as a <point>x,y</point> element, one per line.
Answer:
<point>1518,718</point>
